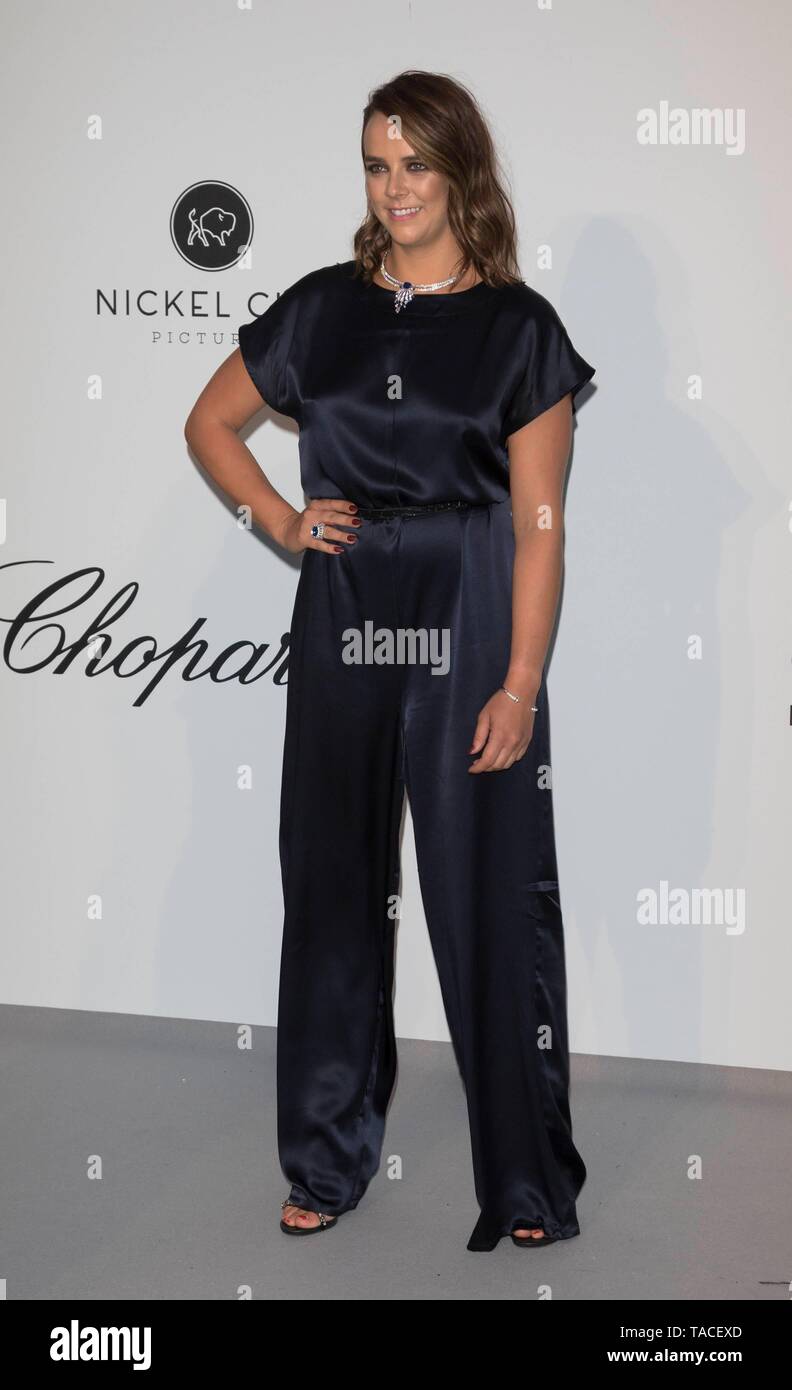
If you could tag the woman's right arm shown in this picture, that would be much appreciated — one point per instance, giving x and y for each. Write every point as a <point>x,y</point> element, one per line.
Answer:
<point>224,406</point>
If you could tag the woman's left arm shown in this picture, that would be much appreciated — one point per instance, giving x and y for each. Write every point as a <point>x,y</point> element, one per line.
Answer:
<point>538,456</point>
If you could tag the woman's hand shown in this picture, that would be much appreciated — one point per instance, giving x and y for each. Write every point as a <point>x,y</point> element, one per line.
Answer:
<point>504,730</point>
<point>294,533</point>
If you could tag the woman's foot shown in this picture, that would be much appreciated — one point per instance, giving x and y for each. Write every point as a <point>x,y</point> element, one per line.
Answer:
<point>535,1233</point>
<point>302,1219</point>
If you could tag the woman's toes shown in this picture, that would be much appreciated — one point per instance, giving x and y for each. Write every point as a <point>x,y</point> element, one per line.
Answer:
<point>297,1216</point>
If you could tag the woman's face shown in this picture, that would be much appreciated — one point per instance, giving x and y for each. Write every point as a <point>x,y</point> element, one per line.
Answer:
<point>396,178</point>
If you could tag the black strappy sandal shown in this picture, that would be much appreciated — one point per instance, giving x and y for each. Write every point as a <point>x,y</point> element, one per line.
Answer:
<point>325,1222</point>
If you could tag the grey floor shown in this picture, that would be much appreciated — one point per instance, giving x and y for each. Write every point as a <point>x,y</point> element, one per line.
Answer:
<point>182,1122</point>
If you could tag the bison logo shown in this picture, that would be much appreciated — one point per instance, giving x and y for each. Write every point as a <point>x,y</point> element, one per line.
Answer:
<point>216,222</point>
<point>211,225</point>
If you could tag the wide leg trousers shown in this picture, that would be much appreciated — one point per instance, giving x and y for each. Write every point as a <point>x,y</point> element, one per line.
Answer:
<point>359,733</point>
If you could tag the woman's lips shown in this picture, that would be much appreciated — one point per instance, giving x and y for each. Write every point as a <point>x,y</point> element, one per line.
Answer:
<point>403,214</point>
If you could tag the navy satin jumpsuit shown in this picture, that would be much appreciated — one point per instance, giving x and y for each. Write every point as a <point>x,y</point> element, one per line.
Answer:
<point>396,410</point>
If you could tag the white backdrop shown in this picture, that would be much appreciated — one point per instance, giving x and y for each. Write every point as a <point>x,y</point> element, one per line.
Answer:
<point>670,678</point>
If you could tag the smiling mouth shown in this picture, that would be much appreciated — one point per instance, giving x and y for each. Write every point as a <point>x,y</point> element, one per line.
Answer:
<point>403,212</point>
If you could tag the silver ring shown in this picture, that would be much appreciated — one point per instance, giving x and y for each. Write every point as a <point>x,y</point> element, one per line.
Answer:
<point>318,531</point>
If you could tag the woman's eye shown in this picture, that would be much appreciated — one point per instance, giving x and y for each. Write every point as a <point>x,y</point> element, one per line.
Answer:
<point>416,164</point>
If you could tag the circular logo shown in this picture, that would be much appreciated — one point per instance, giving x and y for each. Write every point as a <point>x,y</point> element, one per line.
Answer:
<point>211,225</point>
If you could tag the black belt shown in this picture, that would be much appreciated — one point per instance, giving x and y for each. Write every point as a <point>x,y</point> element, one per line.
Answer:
<point>418,509</point>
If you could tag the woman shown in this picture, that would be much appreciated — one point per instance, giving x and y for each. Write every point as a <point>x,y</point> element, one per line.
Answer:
<point>433,390</point>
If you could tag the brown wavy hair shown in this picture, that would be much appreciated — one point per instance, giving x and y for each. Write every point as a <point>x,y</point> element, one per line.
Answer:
<point>442,121</point>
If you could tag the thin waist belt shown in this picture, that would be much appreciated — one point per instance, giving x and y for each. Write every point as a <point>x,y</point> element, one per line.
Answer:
<point>417,509</point>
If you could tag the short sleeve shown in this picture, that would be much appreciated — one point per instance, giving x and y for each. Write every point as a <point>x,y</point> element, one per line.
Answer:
<point>554,368</point>
<point>267,346</point>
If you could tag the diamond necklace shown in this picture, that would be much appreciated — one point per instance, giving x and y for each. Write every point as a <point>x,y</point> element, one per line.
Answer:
<point>405,289</point>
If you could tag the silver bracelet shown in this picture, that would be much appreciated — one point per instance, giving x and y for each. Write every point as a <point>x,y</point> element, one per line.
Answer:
<point>518,698</point>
